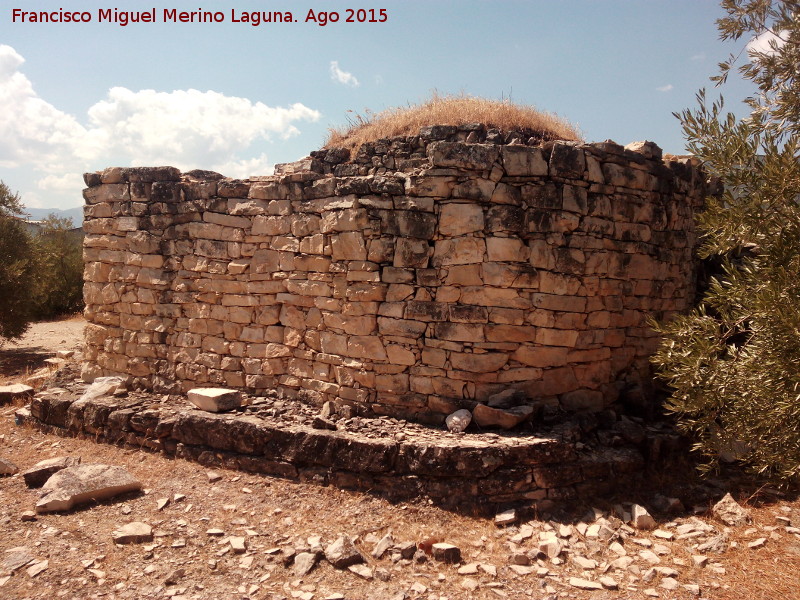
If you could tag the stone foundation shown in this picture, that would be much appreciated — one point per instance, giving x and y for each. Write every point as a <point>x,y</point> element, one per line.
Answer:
<point>424,275</point>
<point>392,458</point>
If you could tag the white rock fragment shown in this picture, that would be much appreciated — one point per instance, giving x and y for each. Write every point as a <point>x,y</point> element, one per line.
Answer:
<point>133,533</point>
<point>458,421</point>
<point>641,519</point>
<point>584,584</point>
<point>730,512</point>
<point>215,399</point>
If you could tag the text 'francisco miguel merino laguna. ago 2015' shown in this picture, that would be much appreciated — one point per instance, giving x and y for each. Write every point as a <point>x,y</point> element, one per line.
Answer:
<point>172,15</point>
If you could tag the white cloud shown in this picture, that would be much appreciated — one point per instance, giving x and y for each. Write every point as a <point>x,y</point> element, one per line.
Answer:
<point>342,77</point>
<point>184,128</point>
<point>700,56</point>
<point>763,43</point>
<point>665,88</point>
<point>245,167</point>
<point>33,131</point>
<point>60,183</point>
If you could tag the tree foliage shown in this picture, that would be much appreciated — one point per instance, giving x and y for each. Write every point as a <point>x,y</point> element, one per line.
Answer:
<point>59,258</point>
<point>41,276</point>
<point>734,362</point>
<point>17,268</point>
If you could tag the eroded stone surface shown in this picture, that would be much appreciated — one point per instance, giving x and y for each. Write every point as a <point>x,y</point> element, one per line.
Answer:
<point>76,485</point>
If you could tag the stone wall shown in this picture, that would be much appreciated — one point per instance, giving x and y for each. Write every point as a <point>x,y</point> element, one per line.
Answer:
<point>423,275</point>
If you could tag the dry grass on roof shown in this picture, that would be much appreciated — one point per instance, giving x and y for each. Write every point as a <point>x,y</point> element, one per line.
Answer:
<point>450,110</point>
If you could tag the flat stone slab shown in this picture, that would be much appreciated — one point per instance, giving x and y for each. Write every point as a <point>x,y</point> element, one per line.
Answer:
<point>84,483</point>
<point>486,416</point>
<point>38,474</point>
<point>215,399</point>
<point>16,391</point>
<point>133,533</point>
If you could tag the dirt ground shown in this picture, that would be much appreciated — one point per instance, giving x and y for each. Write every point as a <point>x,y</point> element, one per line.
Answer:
<point>40,342</point>
<point>195,518</point>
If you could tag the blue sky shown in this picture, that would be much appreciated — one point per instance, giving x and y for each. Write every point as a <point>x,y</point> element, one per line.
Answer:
<point>236,98</point>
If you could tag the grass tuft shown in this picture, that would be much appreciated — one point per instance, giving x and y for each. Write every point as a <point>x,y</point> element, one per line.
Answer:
<point>449,110</point>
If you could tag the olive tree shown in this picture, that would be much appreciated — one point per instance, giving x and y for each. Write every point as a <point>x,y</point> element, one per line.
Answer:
<point>734,362</point>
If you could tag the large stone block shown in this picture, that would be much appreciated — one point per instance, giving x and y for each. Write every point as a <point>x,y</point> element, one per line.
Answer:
<point>458,219</point>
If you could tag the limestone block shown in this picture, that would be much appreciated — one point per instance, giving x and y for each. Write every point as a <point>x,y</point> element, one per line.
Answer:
<point>488,362</point>
<point>400,355</point>
<point>366,347</point>
<point>393,383</point>
<point>400,327</point>
<point>84,483</point>
<point>408,223</point>
<point>510,333</point>
<point>348,246</point>
<point>271,225</point>
<point>475,189</point>
<point>507,194</point>
<point>523,161</point>
<point>567,160</point>
<point>623,176</point>
<point>265,261</point>
<point>492,296</point>
<point>486,416</point>
<point>541,356</point>
<point>430,186</point>
<point>215,399</point>
<point>366,292</point>
<point>459,332</point>
<point>411,252</point>
<point>458,251</point>
<point>110,192</point>
<point>474,157</point>
<point>344,220</point>
<point>460,313</point>
<point>506,249</point>
<point>458,219</point>
<point>313,244</point>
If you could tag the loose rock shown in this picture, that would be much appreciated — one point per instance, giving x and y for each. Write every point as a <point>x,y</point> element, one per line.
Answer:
<point>7,467</point>
<point>133,533</point>
<point>446,552</point>
<point>458,421</point>
<point>730,512</point>
<point>215,399</point>
<point>84,483</point>
<point>39,473</point>
<point>342,553</point>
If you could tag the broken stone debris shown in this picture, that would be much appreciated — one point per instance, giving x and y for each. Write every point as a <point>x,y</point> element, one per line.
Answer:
<point>77,485</point>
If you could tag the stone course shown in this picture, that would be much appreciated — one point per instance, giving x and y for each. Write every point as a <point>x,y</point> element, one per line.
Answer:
<point>423,275</point>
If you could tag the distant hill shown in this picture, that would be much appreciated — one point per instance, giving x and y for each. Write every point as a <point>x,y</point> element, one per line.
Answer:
<point>76,214</point>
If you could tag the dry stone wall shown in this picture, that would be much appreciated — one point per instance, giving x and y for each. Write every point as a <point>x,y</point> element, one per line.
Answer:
<point>423,275</point>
